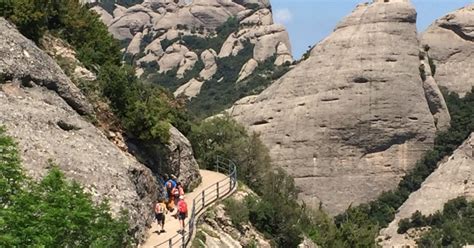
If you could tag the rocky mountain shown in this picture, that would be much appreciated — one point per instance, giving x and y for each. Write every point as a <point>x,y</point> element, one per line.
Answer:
<point>453,178</point>
<point>182,45</point>
<point>352,118</point>
<point>451,43</point>
<point>49,117</point>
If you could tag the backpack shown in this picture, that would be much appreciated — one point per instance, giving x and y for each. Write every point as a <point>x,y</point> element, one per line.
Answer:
<point>159,208</point>
<point>182,207</point>
<point>175,192</point>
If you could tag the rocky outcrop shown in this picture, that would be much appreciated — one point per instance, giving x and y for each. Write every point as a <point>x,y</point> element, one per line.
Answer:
<point>39,107</point>
<point>433,94</point>
<point>173,57</point>
<point>190,89</point>
<point>176,157</point>
<point>61,51</point>
<point>219,231</point>
<point>169,21</point>
<point>208,57</point>
<point>451,42</point>
<point>265,38</point>
<point>181,160</point>
<point>453,178</point>
<point>105,16</point>
<point>22,61</point>
<point>46,128</point>
<point>349,121</point>
<point>134,47</point>
<point>247,69</point>
<point>190,59</point>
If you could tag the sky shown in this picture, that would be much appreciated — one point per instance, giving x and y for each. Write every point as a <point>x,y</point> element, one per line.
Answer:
<point>309,21</point>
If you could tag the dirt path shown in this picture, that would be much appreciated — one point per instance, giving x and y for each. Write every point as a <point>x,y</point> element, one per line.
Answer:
<point>171,224</point>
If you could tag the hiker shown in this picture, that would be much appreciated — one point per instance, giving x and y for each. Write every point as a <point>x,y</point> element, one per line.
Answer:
<point>175,194</point>
<point>182,213</point>
<point>180,188</point>
<point>170,185</point>
<point>160,213</point>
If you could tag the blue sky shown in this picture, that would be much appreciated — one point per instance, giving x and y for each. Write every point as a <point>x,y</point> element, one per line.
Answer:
<point>309,21</point>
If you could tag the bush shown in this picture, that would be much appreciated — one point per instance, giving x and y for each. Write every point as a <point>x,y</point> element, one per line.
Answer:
<point>450,228</point>
<point>276,212</point>
<point>53,212</point>
<point>223,136</point>
<point>237,211</point>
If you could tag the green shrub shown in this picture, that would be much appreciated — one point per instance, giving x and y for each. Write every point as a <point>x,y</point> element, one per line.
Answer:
<point>53,212</point>
<point>237,211</point>
<point>450,228</point>
<point>223,136</point>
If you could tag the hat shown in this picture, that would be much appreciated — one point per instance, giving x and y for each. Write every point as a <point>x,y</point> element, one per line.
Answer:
<point>181,197</point>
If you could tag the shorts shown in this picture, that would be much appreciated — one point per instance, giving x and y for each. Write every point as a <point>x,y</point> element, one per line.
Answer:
<point>160,218</point>
<point>182,216</point>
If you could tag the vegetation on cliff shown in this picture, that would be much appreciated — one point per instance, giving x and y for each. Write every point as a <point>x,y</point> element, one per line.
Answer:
<point>451,227</point>
<point>359,225</point>
<point>145,111</point>
<point>276,212</point>
<point>221,91</point>
<point>53,212</point>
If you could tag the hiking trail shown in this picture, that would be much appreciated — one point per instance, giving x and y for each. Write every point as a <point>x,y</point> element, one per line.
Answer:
<point>209,179</point>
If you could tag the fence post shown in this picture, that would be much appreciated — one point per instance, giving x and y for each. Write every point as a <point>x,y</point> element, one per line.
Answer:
<point>217,190</point>
<point>183,240</point>
<point>170,242</point>
<point>203,200</point>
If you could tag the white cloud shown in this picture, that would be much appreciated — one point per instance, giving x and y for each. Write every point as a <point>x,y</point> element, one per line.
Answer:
<point>282,16</point>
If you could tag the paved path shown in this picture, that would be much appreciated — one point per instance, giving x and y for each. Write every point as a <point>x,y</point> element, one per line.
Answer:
<point>171,224</point>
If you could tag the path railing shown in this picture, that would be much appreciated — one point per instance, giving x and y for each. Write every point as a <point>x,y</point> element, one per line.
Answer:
<point>204,199</point>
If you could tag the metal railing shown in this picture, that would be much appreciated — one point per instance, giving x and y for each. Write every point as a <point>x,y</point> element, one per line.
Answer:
<point>204,199</point>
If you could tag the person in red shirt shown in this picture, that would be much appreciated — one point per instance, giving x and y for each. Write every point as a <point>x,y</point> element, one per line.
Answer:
<point>182,213</point>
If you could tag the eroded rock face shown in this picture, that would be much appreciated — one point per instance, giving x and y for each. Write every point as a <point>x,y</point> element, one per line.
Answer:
<point>433,94</point>
<point>45,127</point>
<point>349,121</point>
<point>247,69</point>
<point>22,61</point>
<point>451,42</point>
<point>152,24</point>
<point>181,159</point>
<point>453,178</point>
<point>39,107</point>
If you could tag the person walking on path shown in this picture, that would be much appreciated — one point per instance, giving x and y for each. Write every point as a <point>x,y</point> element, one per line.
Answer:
<point>182,213</point>
<point>160,213</point>
<point>177,192</point>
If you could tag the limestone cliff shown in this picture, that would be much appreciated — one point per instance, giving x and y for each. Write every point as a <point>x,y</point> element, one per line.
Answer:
<point>350,120</point>
<point>451,43</point>
<point>453,178</point>
<point>39,106</point>
<point>163,36</point>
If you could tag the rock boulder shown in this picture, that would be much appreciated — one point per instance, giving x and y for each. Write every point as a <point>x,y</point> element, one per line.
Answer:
<point>349,121</point>
<point>22,61</point>
<point>451,43</point>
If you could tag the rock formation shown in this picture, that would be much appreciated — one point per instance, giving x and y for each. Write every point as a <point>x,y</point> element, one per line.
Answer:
<point>349,121</point>
<point>451,43</point>
<point>452,179</point>
<point>24,62</point>
<point>433,94</point>
<point>217,227</point>
<point>149,28</point>
<point>39,107</point>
